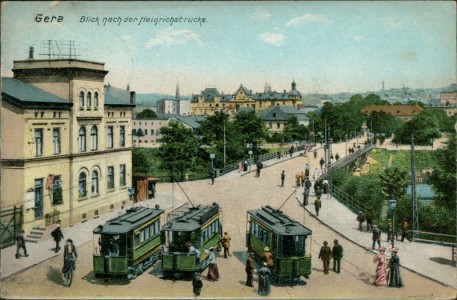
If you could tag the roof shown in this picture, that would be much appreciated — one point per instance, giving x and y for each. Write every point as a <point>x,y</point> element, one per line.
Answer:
<point>192,218</point>
<point>423,191</point>
<point>245,90</point>
<point>23,94</point>
<point>188,121</point>
<point>277,113</point>
<point>278,222</point>
<point>117,97</point>
<point>274,96</point>
<point>394,110</point>
<point>132,218</point>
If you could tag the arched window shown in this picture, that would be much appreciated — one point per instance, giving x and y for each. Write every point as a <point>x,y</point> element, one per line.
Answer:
<point>82,185</point>
<point>89,100</point>
<point>81,100</point>
<point>82,138</point>
<point>94,188</point>
<point>96,100</point>
<point>94,137</point>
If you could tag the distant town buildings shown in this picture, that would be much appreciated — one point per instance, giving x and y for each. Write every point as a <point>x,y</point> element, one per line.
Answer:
<point>276,118</point>
<point>211,100</point>
<point>66,144</point>
<point>405,112</point>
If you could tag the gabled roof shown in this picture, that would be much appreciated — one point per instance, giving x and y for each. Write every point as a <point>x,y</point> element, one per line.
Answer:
<point>188,121</point>
<point>244,89</point>
<point>394,110</point>
<point>24,95</point>
<point>273,114</point>
<point>117,97</point>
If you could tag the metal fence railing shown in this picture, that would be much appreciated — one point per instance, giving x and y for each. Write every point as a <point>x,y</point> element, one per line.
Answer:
<point>347,199</point>
<point>439,238</point>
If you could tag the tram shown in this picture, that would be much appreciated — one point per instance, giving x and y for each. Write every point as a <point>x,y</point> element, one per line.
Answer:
<point>287,241</point>
<point>202,226</point>
<point>128,244</point>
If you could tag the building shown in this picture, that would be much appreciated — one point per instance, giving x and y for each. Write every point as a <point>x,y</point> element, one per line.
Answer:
<point>66,145</point>
<point>448,98</point>
<point>173,107</point>
<point>146,132</point>
<point>211,100</point>
<point>405,112</point>
<point>276,118</point>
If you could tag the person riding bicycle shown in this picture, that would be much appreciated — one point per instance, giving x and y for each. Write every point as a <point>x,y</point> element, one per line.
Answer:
<point>69,256</point>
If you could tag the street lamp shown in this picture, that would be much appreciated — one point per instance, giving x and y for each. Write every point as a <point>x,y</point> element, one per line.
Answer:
<point>249,146</point>
<point>393,206</point>
<point>346,137</point>
<point>212,156</point>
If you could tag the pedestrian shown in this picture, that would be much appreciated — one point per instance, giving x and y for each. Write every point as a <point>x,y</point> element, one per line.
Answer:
<point>369,219</point>
<point>381,273</point>
<point>315,154</point>
<point>394,267</point>
<point>20,243</point>
<point>317,205</point>
<point>307,170</point>
<point>57,235</point>
<point>213,271</point>
<point>337,253</point>
<point>226,244</point>
<point>325,255</point>
<point>291,150</point>
<point>317,188</point>
<point>197,284</point>
<point>321,162</point>
<point>405,230</point>
<point>306,191</point>
<point>337,157</point>
<point>69,256</point>
<point>389,231</point>
<point>360,218</point>
<point>325,186</point>
<point>250,269</point>
<point>297,179</point>
<point>302,178</point>
<point>267,258</point>
<point>316,174</point>
<point>376,237</point>
<point>283,177</point>
<point>259,167</point>
<point>213,175</point>
<point>264,280</point>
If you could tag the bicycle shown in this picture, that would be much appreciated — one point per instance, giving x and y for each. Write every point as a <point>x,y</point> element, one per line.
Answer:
<point>68,272</point>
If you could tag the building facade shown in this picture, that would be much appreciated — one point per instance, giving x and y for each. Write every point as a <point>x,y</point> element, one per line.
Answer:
<point>66,142</point>
<point>211,100</point>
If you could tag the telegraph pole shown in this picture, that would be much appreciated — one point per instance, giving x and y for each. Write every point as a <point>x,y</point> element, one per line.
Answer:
<point>413,191</point>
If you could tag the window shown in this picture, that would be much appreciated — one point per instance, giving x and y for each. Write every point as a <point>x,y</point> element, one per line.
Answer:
<point>145,132</point>
<point>110,177</point>
<point>82,185</point>
<point>122,175</point>
<point>82,138</point>
<point>94,137</point>
<point>57,191</point>
<point>39,142</point>
<point>56,140</point>
<point>96,101</point>
<point>89,100</point>
<point>94,186</point>
<point>122,136</point>
<point>38,198</point>
<point>278,125</point>
<point>110,137</point>
<point>81,100</point>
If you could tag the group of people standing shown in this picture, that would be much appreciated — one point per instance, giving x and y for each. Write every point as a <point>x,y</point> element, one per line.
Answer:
<point>263,273</point>
<point>384,278</point>
<point>326,254</point>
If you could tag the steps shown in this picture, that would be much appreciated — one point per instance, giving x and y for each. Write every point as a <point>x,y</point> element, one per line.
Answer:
<point>35,235</point>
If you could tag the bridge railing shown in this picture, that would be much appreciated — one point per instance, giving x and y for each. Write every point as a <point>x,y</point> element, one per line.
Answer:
<point>347,200</point>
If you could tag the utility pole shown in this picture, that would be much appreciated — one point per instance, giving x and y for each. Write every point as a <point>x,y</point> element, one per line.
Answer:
<point>225,142</point>
<point>413,191</point>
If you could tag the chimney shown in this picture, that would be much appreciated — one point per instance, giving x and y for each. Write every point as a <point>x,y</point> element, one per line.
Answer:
<point>284,91</point>
<point>132,97</point>
<point>31,53</point>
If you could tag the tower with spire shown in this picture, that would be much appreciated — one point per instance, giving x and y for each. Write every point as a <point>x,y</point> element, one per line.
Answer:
<point>177,91</point>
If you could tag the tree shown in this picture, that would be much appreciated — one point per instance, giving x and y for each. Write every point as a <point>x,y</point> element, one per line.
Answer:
<point>179,149</point>
<point>250,129</point>
<point>294,131</point>
<point>146,114</point>
<point>424,127</point>
<point>394,183</point>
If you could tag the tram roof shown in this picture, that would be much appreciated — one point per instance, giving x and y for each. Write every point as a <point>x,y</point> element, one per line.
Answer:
<point>279,222</point>
<point>132,218</point>
<point>192,219</point>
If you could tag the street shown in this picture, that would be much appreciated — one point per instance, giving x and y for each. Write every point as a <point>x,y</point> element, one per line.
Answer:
<point>235,194</point>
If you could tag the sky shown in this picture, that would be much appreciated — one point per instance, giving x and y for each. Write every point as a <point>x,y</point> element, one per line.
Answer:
<point>326,47</point>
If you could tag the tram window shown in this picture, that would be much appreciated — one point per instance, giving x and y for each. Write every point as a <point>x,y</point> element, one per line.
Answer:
<point>141,236</point>
<point>137,239</point>
<point>157,227</point>
<point>151,230</point>
<point>146,233</point>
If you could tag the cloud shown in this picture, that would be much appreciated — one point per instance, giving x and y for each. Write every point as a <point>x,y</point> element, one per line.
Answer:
<point>276,39</point>
<point>358,38</point>
<point>170,36</point>
<point>306,19</point>
<point>261,16</point>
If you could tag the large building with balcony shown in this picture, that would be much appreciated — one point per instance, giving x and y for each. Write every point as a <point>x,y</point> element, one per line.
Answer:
<point>66,142</point>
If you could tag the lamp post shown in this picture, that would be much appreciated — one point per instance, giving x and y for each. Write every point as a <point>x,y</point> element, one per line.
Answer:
<point>346,137</point>
<point>212,156</point>
<point>393,206</point>
<point>249,147</point>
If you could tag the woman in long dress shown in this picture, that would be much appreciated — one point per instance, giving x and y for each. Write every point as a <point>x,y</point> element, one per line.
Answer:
<point>381,273</point>
<point>394,266</point>
<point>264,280</point>
<point>213,271</point>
